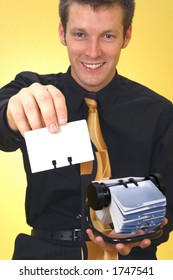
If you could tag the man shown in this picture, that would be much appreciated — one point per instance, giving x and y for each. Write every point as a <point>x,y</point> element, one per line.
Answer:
<point>137,125</point>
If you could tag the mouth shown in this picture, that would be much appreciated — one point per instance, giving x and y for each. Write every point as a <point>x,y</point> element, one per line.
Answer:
<point>93,66</point>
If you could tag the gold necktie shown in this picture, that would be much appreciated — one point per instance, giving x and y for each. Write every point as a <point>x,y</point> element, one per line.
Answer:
<point>103,173</point>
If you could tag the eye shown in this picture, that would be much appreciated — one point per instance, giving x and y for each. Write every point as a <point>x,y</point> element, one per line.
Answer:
<point>108,36</point>
<point>79,35</point>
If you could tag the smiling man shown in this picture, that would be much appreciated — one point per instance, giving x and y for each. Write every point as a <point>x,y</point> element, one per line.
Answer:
<point>136,123</point>
<point>94,40</point>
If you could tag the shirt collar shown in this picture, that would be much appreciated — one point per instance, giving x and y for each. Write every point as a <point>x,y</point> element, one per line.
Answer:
<point>106,96</point>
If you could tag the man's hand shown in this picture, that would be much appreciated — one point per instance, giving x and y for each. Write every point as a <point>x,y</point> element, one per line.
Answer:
<point>123,249</point>
<point>37,106</point>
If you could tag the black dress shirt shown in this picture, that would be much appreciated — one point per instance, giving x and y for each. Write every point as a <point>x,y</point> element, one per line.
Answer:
<point>137,125</point>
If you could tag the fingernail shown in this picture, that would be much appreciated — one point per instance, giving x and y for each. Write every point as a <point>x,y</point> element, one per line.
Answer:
<point>62,120</point>
<point>53,128</point>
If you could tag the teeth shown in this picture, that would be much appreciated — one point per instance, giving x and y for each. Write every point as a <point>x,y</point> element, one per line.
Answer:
<point>93,66</point>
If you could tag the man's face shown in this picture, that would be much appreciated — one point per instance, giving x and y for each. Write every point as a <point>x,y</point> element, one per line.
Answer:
<point>94,40</point>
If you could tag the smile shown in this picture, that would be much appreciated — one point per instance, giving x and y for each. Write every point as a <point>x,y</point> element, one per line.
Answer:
<point>92,66</point>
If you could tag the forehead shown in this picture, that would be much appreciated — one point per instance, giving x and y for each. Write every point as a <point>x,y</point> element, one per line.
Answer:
<point>85,16</point>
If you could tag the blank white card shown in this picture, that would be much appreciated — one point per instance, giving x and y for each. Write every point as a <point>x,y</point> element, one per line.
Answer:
<point>70,145</point>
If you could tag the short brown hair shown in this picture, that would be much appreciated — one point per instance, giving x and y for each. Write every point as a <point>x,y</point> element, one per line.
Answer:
<point>128,7</point>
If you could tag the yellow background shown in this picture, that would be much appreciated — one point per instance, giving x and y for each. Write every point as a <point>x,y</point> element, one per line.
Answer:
<point>29,41</point>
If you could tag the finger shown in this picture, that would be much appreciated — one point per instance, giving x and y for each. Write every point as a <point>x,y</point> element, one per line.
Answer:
<point>122,249</point>
<point>100,242</point>
<point>59,103</point>
<point>164,222</point>
<point>90,234</point>
<point>16,117</point>
<point>145,243</point>
<point>46,106</point>
<point>97,239</point>
<point>31,110</point>
<point>125,249</point>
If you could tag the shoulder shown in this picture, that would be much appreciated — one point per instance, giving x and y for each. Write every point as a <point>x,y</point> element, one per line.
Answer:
<point>142,94</point>
<point>28,77</point>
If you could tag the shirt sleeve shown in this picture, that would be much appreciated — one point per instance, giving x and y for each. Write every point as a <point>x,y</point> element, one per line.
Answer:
<point>162,160</point>
<point>10,140</point>
<point>162,156</point>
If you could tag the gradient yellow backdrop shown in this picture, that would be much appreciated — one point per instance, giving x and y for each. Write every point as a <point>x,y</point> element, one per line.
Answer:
<point>29,41</point>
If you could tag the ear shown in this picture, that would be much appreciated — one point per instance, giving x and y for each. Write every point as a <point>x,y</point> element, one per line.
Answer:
<point>62,34</point>
<point>127,37</point>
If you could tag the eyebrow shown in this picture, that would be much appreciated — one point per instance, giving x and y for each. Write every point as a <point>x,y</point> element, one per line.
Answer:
<point>103,32</point>
<point>78,29</point>
<point>110,31</point>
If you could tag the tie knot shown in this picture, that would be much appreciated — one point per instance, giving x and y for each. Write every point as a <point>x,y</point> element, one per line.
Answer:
<point>91,103</point>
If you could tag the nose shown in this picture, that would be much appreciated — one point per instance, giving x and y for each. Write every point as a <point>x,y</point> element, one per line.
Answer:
<point>93,49</point>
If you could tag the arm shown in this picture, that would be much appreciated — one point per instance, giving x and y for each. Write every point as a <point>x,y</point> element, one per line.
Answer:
<point>162,162</point>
